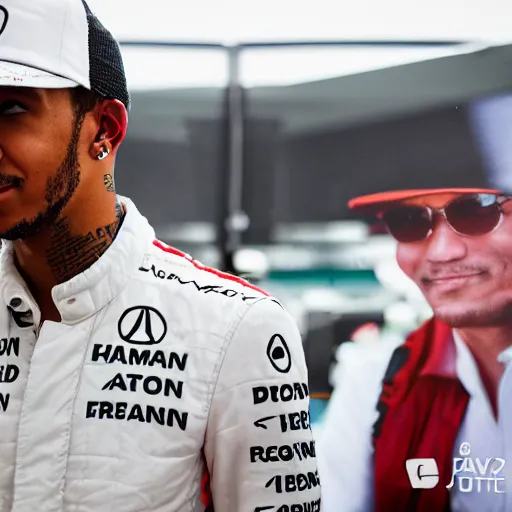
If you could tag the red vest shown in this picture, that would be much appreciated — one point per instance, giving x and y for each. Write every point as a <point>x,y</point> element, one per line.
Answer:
<point>421,408</point>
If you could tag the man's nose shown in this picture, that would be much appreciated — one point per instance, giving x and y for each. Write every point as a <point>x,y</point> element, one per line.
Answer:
<point>444,244</point>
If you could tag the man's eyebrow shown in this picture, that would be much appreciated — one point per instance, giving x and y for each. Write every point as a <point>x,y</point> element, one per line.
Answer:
<point>27,92</point>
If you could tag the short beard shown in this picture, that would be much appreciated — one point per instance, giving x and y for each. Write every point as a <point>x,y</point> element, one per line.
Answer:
<point>488,317</point>
<point>59,190</point>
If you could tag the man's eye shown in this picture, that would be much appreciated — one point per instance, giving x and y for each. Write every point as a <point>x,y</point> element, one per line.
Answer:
<point>10,108</point>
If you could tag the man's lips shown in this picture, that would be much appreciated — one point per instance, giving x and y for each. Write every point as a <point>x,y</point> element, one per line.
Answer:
<point>454,276</point>
<point>451,279</point>
<point>8,182</point>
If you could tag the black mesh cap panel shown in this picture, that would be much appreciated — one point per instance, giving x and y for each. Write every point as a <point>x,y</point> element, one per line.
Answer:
<point>106,74</point>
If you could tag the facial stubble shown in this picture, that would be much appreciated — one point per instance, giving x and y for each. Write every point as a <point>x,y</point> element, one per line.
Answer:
<point>60,188</point>
<point>468,309</point>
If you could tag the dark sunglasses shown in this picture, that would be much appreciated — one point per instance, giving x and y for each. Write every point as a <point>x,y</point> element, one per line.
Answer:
<point>467,215</point>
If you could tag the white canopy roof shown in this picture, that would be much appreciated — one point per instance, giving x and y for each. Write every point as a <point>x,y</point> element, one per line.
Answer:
<point>235,21</point>
<point>231,22</point>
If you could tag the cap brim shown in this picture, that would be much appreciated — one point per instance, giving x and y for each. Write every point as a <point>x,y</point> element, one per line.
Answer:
<point>374,201</point>
<point>18,75</point>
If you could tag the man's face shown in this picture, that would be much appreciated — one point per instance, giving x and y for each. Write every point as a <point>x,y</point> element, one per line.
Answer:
<point>39,169</point>
<point>466,280</point>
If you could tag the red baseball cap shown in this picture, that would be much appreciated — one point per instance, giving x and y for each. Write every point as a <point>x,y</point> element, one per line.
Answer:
<point>381,199</point>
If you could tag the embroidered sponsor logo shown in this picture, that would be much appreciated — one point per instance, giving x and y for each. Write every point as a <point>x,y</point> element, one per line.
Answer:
<point>283,393</point>
<point>294,483</point>
<point>284,453</point>
<point>309,506</point>
<point>287,422</point>
<point>279,354</point>
<point>205,289</point>
<point>142,325</point>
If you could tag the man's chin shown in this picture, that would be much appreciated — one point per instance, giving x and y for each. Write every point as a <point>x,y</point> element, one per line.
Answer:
<point>13,234</point>
<point>23,229</point>
<point>8,232</point>
<point>26,229</point>
<point>458,321</point>
<point>472,316</point>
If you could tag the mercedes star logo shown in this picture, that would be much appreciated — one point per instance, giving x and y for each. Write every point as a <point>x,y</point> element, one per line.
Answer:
<point>5,15</point>
<point>142,325</point>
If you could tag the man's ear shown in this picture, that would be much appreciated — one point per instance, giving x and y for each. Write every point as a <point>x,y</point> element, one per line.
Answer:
<point>113,122</point>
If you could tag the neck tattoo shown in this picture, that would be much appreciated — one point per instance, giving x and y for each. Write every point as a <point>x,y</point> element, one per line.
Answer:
<point>70,255</point>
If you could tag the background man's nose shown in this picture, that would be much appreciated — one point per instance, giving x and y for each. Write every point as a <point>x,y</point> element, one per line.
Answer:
<point>444,244</point>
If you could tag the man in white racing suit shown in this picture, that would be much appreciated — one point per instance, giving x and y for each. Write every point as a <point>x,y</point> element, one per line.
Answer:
<point>132,378</point>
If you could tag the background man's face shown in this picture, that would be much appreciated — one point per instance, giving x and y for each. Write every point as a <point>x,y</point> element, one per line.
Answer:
<point>466,280</point>
<point>39,169</point>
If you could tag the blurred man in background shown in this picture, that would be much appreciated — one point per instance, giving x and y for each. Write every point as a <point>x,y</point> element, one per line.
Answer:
<point>131,376</point>
<point>427,426</point>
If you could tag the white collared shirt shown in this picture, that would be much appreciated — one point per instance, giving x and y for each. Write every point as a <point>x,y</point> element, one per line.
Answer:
<point>485,435</point>
<point>344,446</point>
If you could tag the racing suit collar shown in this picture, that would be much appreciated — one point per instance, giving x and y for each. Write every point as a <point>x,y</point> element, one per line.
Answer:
<point>88,292</point>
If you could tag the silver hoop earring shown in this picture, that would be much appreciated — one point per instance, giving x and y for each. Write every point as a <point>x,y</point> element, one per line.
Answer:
<point>104,153</point>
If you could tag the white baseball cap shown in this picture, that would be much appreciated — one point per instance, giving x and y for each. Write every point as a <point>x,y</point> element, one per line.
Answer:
<point>58,44</point>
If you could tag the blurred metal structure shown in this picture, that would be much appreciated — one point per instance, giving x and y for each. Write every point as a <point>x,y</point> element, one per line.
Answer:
<point>238,173</point>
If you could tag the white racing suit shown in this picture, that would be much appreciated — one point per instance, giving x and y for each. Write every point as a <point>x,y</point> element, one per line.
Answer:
<point>167,387</point>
